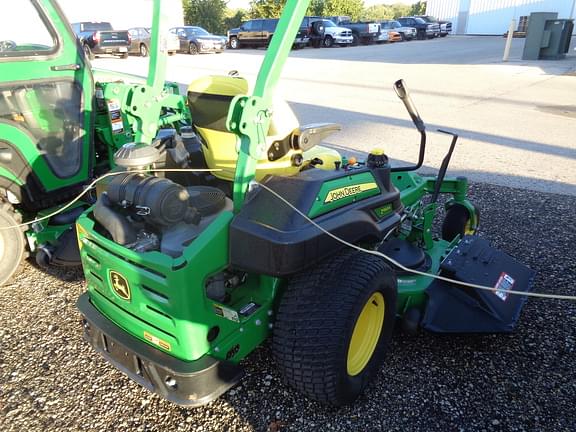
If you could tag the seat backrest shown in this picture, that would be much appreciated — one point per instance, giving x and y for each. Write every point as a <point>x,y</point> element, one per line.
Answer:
<point>209,100</point>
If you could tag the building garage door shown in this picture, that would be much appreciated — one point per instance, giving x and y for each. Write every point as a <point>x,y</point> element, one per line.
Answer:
<point>492,17</point>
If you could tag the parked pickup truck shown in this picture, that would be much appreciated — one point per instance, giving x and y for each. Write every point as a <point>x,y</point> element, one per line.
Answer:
<point>423,29</point>
<point>362,32</point>
<point>99,38</point>
<point>445,26</point>
<point>259,32</point>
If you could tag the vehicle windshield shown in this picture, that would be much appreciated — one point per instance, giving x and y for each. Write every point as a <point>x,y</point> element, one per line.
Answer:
<point>391,24</point>
<point>328,23</point>
<point>96,26</point>
<point>419,20</point>
<point>196,31</point>
<point>430,19</point>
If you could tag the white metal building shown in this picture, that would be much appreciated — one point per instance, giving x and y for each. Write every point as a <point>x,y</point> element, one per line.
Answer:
<point>492,17</point>
<point>122,14</point>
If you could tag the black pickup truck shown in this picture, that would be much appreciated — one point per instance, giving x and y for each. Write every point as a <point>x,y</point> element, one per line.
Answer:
<point>424,30</point>
<point>445,26</point>
<point>99,38</point>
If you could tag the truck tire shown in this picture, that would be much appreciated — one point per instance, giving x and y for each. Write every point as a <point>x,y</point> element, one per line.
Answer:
<point>421,34</point>
<point>143,50</point>
<point>318,28</point>
<point>12,243</point>
<point>88,52</point>
<point>193,49</point>
<point>328,41</point>
<point>124,55</point>
<point>234,42</point>
<point>333,326</point>
<point>355,39</point>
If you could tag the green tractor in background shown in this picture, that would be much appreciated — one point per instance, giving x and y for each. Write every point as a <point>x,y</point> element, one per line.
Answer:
<point>59,129</point>
<point>188,272</point>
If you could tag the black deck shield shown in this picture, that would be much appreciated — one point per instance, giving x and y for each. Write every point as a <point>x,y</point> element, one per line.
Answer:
<point>456,309</point>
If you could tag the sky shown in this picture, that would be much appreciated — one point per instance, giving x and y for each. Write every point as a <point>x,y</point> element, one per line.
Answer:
<point>233,4</point>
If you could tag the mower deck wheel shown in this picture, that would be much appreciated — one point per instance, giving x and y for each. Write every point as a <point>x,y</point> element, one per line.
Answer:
<point>333,326</point>
<point>12,243</point>
<point>459,222</point>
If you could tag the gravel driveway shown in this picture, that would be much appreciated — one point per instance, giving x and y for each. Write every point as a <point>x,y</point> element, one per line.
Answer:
<point>51,380</point>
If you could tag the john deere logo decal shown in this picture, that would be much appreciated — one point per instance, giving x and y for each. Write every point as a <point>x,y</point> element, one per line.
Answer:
<point>120,285</point>
<point>348,191</point>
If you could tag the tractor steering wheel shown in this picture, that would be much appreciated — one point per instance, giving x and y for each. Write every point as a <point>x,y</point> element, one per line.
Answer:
<point>7,45</point>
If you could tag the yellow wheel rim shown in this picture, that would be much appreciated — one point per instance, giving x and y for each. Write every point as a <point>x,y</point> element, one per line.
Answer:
<point>468,228</point>
<point>366,334</point>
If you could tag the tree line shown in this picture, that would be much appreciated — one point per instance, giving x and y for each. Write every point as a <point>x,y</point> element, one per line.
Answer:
<point>217,18</point>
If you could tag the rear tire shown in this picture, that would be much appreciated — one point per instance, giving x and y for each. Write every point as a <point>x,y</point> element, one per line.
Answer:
<point>143,50</point>
<point>12,243</point>
<point>234,43</point>
<point>328,41</point>
<point>333,326</point>
<point>124,55</point>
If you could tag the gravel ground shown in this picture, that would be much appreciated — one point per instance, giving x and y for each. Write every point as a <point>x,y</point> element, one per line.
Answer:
<point>51,380</point>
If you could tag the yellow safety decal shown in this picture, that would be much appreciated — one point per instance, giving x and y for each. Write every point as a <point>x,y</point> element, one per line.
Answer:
<point>157,341</point>
<point>348,191</point>
<point>80,233</point>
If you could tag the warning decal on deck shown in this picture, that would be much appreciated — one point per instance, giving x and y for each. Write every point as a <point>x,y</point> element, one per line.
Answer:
<point>503,285</point>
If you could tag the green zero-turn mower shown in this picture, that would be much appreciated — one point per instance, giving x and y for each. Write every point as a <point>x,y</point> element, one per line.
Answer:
<point>59,128</point>
<point>189,272</point>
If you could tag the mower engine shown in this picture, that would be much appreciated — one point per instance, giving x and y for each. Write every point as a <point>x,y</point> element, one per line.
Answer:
<point>144,212</point>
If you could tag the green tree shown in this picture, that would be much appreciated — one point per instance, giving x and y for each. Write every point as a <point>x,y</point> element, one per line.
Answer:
<point>266,8</point>
<point>378,13</point>
<point>209,14</point>
<point>400,10</point>
<point>234,17</point>
<point>418,8</point>
<point>352,8</point>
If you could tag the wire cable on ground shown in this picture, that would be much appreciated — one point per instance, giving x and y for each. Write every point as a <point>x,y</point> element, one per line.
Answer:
<point>406,269</point>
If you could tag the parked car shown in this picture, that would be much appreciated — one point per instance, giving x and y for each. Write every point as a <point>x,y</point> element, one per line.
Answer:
<point>394,36</point>
<point>423,29</point>
<point>259,32</point>
<point>406,33</point>
<point>100,38</point>
<point>140,41</point>
<point>445,26</point>
<point>362,32</point>
<point>335,35</point>
<point>194,40</point>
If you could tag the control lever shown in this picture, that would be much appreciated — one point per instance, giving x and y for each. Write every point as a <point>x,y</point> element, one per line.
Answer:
<point>404,96</point>
<point>444,165</point>
<point>402,92</point>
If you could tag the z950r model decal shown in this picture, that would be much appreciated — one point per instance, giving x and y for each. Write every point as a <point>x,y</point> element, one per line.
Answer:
<point>347,191</point>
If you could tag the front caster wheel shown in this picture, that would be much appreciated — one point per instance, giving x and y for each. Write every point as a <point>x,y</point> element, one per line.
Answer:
<point>333,326</point>
<point>458,221</point>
